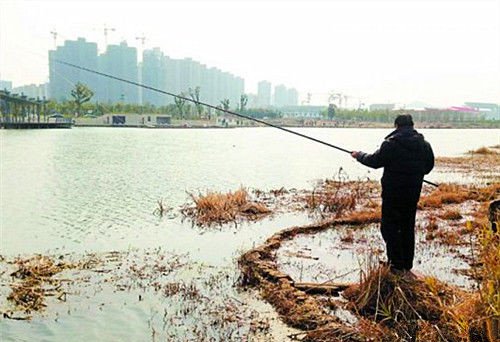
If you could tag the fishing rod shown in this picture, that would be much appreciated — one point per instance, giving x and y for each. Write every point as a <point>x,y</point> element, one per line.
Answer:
<point>209,106</point>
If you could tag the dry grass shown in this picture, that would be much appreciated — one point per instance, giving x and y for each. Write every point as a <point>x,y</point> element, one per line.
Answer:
<point>337,197</point>
<point>34,274</point>
<point>456,194</point>
<point>365,216</point>
<point>450,214</point>
<point>445,194</point>
<point>417,309</point>
<point>431,224</point>
<point>449,238</point>
<point>483,150</point>
<point>482,162</point>
<point>489,257</point>
<point>390,307</point>
<point>219,208</point>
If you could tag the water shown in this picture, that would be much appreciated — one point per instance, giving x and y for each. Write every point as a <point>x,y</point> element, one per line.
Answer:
<point>94,190</point>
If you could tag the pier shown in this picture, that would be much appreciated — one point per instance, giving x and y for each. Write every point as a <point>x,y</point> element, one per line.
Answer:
<point>21,112</point>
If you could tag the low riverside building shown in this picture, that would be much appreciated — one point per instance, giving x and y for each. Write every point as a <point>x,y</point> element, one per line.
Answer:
<point>303,112</point>
<point>125,120</point>
<point>490,111</point>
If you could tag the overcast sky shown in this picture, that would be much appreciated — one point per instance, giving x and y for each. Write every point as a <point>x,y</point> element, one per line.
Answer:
<point>439,52</point>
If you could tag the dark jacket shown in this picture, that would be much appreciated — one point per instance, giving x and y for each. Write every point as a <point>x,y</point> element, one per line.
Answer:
<point>406,157</point>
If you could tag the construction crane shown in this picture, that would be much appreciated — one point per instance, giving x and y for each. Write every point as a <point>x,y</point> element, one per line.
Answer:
<point>139,76</point>
<point>106,30</point>
<point>335,96</point>
<point>54,35</point>
<point>142,39</point>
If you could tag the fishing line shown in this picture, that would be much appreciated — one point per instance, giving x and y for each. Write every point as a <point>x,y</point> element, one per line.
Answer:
<point>210,106</point>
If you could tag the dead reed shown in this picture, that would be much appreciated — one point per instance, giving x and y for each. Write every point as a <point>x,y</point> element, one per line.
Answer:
<point>35,274</point>
<point>489,259</point>
<point>457,194</point>
<point>219,208</point>
<point>483,150</point>
<point>335,197</point>
<point>450,214</point>
<point>483,163</point>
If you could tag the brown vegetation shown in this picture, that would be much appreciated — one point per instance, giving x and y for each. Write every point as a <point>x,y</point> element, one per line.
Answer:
<point>390,307</point>
<point>336,197</point>
<point>483,150</point>
<point>454,193</point>
<point>482,162</point>
<point>450,214</point>
<point>219,208</point>
<point>416,309</point>
<point>489,258</point>
<point>35,274</point>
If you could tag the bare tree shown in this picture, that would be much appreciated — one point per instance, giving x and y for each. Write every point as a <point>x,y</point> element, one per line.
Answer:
<point>243,102</point>
<point>195,95</point>
<point>81,94</point>
<point>225,104</point>
<point>180,103</point>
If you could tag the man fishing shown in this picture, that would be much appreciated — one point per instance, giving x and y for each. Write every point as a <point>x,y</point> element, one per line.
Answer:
<point>406,157</point>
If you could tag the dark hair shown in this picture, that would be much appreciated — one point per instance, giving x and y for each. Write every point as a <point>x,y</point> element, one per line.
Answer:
<point>403,120</point>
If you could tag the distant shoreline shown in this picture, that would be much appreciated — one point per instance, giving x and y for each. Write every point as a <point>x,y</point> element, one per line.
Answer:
<point>359,125</point>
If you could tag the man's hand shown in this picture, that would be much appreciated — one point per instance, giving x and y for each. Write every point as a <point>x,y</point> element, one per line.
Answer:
<point>355,154</point>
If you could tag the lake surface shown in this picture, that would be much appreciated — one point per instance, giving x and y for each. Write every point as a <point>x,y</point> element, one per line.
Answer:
<point>95,189</point>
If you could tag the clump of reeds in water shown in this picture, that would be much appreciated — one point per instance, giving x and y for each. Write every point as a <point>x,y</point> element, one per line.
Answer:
<point>484,150</point>
<point>219,208</point>
<point>336,197</point>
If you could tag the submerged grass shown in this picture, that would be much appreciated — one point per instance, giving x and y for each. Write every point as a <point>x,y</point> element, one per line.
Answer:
<point>33,275</point>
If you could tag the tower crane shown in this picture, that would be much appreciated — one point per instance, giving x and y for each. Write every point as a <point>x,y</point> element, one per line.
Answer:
<point>106,30</point>
<point>54,36</point>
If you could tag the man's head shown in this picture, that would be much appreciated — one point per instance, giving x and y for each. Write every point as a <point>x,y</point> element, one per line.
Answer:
<point>403,120</point>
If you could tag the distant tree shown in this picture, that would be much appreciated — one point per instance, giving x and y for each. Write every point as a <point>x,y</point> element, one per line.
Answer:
<point>225,104</point>
<point>81,94</point>
<point>243,102</point>
<point>179,104</point>
<point>218,111</point>
<point>331,111</point>
<point>195,95</point>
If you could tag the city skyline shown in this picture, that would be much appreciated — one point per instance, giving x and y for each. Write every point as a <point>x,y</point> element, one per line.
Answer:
<point>179,76</point>
<point>441,52</point>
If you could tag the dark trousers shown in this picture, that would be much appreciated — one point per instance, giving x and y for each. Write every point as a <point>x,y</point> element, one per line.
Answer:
<point>398,227</point>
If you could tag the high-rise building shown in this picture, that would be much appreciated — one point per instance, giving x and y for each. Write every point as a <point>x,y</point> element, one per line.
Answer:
<point>154,74</point>
<point>32,90</point>
<point>264,94</point>
<point>280,96</point>
<point>62,78</point>
<point>173,77</point>
<point>205,93</point>
<point>252,101</point>
<point>292,97</point>
<point>120,61</point>
<point>157,70</point>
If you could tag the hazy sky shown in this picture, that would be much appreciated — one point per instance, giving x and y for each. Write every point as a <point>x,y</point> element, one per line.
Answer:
<point>440,52</point>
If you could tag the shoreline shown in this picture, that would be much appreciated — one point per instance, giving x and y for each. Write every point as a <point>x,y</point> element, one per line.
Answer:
<point>362,126</point>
